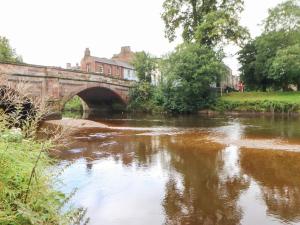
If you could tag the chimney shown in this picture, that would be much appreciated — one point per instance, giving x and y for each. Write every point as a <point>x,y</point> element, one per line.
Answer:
<point>68,66</point>
<point>125,49</point>
<point>87,52</point>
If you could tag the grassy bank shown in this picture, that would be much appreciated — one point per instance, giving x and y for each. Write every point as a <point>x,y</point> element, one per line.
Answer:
<point>273,102</point>
<point>27,193</point>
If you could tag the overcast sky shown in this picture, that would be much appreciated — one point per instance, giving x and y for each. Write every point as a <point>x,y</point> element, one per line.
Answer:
<point>54,32</point>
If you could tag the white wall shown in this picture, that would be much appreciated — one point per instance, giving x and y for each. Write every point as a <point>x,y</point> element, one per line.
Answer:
<point>130,74</point>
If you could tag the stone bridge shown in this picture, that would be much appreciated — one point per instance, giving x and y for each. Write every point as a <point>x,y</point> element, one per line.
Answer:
<point>57,86</point>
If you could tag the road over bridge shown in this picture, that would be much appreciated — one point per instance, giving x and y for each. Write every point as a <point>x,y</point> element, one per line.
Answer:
<point>57,86</point>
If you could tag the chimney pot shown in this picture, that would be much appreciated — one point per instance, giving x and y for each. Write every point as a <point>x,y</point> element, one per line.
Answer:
<point>87,52</point>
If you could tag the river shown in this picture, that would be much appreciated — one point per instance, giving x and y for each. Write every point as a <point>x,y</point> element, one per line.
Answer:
<point>186,170</point>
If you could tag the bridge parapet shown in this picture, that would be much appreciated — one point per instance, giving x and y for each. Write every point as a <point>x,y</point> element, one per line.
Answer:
<point>28,70</point>
<point>58,85</point>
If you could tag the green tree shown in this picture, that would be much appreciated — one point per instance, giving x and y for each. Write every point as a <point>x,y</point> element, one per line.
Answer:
<point>257,58</point>
<point>7,53</point>
<point>270,61</point>
<point>208,22</point>
<point>283,17</point>
<point>249,75</point>
<point>188,75</point>
<point>144,65</point>
<point>285,68</point>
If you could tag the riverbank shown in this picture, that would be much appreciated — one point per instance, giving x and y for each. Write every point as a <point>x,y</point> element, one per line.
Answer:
<point>27,195</point>
<point>259,102</point>
<point>28,185</point>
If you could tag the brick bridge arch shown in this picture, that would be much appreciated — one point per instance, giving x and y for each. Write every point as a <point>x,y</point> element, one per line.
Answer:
<point>56,85</point>
<point>96,96</point>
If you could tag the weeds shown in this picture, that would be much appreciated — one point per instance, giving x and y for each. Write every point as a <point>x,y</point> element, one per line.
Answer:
<point>27,193</point>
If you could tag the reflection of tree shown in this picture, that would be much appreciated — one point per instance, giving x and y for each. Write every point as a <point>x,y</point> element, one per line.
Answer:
<point>269,127</point>
<point>204,198</point>
<point>278,174</point>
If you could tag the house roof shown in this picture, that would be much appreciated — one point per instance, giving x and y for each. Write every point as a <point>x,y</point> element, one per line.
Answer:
<point>113,62</point>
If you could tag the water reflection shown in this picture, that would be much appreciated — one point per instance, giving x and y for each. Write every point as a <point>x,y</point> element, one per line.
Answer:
<point>205,196</point>
<point>278,176</point>
<point>182,176</point>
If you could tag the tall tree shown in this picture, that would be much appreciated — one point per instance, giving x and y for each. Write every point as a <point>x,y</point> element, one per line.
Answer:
<point>7,53</point>
<point>253,79</point>
<point>285,68</point>
<point>270,61</point>
<point>284,17</point>
<point>257,58</point>
<point>188,76</point>
<point>208,22</point>
<point>144,65</point>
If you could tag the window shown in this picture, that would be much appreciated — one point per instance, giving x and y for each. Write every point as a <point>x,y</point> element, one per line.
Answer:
<point>100,69</point>
<point>109,70</point>
<point>88,67</point>
<point>117,71</point>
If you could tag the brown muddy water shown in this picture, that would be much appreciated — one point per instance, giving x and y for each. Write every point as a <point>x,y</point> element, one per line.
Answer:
<point>187,170</point>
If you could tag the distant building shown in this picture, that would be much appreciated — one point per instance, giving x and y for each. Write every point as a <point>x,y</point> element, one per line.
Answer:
<point>229,80</point>
<point>70,67</point>
<point>108,67</point>
<point>126,55</point>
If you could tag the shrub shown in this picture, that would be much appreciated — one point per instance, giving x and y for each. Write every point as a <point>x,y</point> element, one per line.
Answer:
<point>27,193</point>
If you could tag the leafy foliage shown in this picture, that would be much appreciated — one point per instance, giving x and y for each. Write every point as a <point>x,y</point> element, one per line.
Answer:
<point>74,104</point>
<point>189,74</point>
<point>143,98</point>
<point>27,193</point>
<point>271,61</point>
<point>26,201</point>
<point>7,54</point>
<point>284,17</point>
<point>144,65</point>
<point>285,68</point>
<point>208,22</point>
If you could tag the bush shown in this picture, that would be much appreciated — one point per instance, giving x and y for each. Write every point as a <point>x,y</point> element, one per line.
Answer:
<point>74,104</point>
<point>144,97</point>
<point>27,185</point>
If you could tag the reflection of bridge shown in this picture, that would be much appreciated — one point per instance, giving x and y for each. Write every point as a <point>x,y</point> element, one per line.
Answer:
<point>57,85</point>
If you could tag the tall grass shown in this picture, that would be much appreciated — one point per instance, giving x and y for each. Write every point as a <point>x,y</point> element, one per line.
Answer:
<point>27,185</point>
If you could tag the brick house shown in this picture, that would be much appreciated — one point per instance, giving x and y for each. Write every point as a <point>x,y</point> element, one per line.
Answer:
<point>108,67</point>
